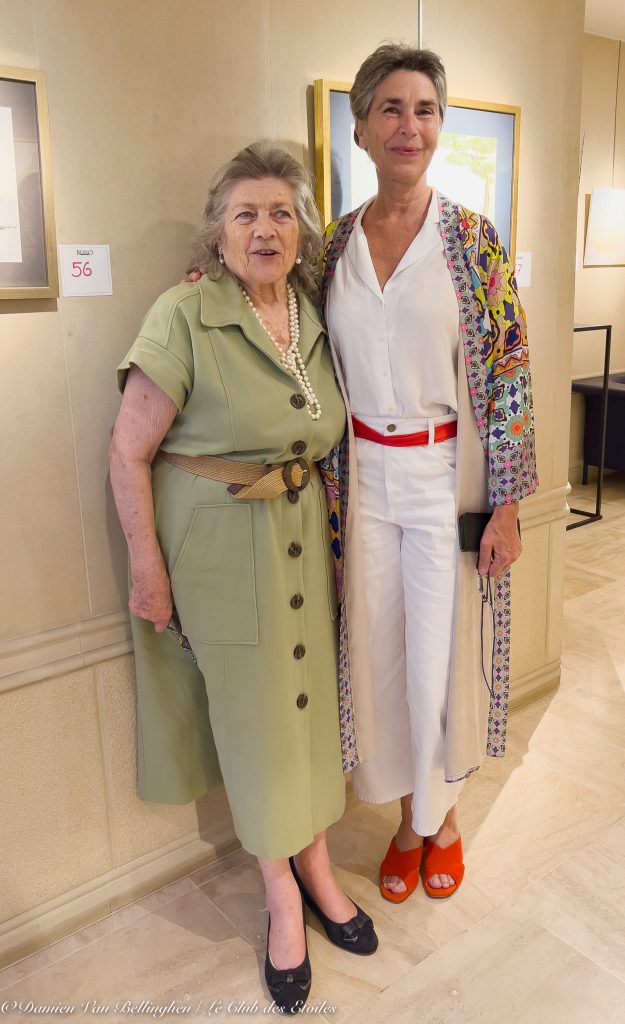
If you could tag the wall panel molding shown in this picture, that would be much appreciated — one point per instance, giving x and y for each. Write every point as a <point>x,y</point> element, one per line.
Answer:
<point>55,652</point>
<point>545,506</point>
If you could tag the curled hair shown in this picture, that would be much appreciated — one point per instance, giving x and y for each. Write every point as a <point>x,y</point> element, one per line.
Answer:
<point>391,57</point>
<point>263,160</point>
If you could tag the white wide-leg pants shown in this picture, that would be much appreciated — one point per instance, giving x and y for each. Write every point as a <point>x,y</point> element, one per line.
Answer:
<point>408,514</point>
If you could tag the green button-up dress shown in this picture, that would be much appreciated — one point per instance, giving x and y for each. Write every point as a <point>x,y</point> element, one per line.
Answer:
<point>253,581</point>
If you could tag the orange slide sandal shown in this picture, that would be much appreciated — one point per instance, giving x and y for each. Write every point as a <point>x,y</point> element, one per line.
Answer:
<point>405,864</point>
<point>439,861</point>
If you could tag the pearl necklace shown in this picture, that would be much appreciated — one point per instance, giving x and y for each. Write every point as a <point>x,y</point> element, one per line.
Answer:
<point>291,359</point>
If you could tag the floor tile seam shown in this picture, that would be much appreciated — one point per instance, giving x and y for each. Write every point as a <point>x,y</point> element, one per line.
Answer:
<point>460,934</point>
<point>230,921</point>
<point>558,864</point>
<point>355,1014</point>
<point>128,924</point>
<point>566,856</point>
<point>528,915</point>
<point>571,945</point>
<point>602,837</point>
<point>604,632</point>
<point>598,841</point>
<point>454,938</point>
<point>581,567</point>
<point>608,744</point>
<point>198,885</point>
<point>604,527</point>
<point>605,847</point>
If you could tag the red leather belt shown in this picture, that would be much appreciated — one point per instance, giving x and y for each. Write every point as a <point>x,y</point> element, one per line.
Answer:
<point>441,433</point>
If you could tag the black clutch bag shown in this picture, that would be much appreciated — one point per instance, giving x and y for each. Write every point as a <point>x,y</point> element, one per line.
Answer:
<point>471,526</point>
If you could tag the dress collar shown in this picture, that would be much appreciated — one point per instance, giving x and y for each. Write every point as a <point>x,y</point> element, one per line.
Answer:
<point>222,303</point>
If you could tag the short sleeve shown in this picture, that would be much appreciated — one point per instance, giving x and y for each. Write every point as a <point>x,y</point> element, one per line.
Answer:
<point>164,349</point>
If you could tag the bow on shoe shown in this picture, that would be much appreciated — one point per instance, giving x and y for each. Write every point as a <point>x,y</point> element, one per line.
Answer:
<point>352,929</point>
<point>356,935</point>
<point>299,976</point>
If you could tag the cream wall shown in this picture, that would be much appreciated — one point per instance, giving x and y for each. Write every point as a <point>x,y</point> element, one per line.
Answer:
<point>600,291</point>
<point>146,99</point>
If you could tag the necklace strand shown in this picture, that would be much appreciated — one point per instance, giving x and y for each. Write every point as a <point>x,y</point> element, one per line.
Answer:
<point>291,358</point>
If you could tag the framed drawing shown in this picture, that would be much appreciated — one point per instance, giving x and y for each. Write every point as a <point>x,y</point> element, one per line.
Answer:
<point>476,162</point>
<point>28,265</point>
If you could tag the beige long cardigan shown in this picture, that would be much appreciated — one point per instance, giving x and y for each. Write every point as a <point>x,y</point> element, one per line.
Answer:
<point>495,465</point>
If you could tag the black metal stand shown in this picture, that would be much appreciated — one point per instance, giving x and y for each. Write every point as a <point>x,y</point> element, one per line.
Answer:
<point>593,517</point>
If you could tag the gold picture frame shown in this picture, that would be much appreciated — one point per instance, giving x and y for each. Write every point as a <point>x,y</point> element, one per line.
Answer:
<point>28,261</point>
<point>482,151</point>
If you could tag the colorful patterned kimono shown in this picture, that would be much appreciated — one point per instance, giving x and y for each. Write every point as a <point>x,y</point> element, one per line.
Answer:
<point>494,343</point>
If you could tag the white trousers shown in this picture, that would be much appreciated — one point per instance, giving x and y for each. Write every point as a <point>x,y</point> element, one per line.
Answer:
<point>408,514</point>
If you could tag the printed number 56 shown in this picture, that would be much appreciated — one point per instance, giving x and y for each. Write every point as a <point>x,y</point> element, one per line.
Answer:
<point>80,269</point>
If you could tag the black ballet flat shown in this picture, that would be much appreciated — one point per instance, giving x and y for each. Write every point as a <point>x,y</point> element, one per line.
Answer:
<point>356,935</point>
<point>290,988</point>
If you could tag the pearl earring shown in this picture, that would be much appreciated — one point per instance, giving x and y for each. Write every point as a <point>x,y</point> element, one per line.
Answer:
<point>220,256</point>
<point>298,259</point>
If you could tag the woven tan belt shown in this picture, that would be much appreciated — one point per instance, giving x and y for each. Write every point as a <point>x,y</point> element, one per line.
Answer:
<point>246,479</point>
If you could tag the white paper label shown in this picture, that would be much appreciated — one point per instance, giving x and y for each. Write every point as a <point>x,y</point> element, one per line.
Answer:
<point>523,269</point>
<point>85,269</point>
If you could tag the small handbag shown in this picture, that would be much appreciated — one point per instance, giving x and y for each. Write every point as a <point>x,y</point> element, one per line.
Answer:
<point>471,526</point>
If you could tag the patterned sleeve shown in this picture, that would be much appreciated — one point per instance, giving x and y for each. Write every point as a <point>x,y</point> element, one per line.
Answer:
<point>511,448</point>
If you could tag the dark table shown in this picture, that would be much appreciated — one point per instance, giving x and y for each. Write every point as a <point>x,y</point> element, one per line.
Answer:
<point>593,517</point>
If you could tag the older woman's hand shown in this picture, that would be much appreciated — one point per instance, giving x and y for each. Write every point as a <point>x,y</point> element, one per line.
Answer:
<point>193,275</point>
<point>501,544</point>
<point>150,596</point>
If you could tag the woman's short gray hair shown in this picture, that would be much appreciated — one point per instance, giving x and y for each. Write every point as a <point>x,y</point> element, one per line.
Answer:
<point>391,57</point>
<point>263,160</point>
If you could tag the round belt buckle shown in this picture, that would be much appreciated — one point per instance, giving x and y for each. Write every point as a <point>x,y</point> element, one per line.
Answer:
<point>287,474</point>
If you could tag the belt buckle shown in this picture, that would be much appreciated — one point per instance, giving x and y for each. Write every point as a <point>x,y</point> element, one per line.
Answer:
<point>287,474</point>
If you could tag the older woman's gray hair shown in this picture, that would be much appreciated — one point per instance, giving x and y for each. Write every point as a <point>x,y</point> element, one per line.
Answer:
<point>263,160</point>
<point>391,57</point>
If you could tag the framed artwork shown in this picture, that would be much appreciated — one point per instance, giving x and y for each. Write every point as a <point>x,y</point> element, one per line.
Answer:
<point>605,232</point>
<point>28,264</point>
<point>476,162</point>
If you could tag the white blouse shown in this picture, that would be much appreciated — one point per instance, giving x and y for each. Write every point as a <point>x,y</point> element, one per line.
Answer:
<point>398,347</point>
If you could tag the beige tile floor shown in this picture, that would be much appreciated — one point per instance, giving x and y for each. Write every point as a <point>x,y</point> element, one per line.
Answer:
<point>536,935</point>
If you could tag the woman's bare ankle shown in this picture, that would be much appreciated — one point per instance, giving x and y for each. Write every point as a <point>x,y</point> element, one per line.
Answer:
<point>406,838</point>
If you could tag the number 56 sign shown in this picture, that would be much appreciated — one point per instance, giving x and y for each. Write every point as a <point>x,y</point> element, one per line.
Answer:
<point>85,269</point>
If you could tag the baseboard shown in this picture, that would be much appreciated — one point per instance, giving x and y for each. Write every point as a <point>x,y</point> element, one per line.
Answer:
<point>533,685</point>
<point>41,926</point>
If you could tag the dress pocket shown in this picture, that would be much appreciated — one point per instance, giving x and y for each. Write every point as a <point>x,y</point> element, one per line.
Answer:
<point>213,581</point>
<point>329,556</point>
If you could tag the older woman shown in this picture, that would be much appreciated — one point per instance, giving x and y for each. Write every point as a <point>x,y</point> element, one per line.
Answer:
<point>229,398</point>
<point>430,341</point>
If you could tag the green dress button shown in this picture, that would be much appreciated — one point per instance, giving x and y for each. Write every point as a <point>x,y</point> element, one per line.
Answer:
<point>302,701</point>
<point>299,651</point>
